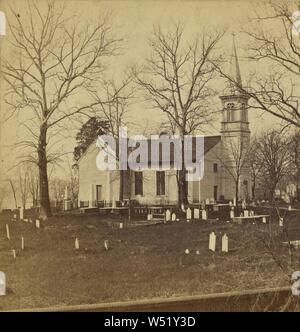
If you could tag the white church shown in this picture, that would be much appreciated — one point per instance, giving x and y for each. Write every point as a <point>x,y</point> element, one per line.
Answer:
<point>150,187</point>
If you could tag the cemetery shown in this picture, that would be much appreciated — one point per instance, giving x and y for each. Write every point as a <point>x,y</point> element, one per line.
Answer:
<point>74,258</point>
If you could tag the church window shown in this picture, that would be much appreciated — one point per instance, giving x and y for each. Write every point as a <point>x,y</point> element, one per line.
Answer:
<point>215,168</point>
<point>160,183</point>
<point>138,183</point>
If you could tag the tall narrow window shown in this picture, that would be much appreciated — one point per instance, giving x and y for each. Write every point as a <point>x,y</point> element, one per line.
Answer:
<point>160,183</point>
<point>138,183</point>
<point>215,168</point>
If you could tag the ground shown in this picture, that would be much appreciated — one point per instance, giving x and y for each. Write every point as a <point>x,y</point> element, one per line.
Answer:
<point>142,261</point>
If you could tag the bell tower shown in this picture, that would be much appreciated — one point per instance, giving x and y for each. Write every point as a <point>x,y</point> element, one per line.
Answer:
<point>235,133</point>
<point>235,103</point>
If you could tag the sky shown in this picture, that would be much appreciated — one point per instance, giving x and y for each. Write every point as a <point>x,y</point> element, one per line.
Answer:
<point>135,21</point>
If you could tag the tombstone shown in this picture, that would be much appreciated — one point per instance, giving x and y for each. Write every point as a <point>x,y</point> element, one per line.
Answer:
<point>14,253</point>
<point>21,213</point>
<point>280,222</point>
<point>212,242</point>
<point>168,215</point>
<point>106,245</point>
<point>224,243</point>
<point>173,216</point>
<point>251,213</point>
<point>30,220</point>
<point>207,201</point>
<point>231,214</point>
<point>196,214</point>
<point>246,213</point>
<point>186,251</point>
<point>234,201</point>
<point>204,214</point>
<point>203,205</point>
<point>197,252</point>
<point>2,284</point>
<point>121,225</point>
<point>37,223</point>
<point>289,208</point>
<point>182,207</point>
<point>149,216</point>
<point>76,243</point>
<point>188,214</point>
<point>230,203</point>
<point>15,216</point>
<point>177,219</point>
<point>22,243</point>
<point>264,220</point>
<point>7,232</point>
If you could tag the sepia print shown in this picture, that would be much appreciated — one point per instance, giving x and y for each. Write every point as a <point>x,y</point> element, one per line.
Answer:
<point>150,155</point>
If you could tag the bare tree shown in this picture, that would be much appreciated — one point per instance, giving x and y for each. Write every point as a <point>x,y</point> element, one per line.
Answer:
<point>235,160</point>
<point>272,44</point>
<point>14,191</point>
<point>60,59</point>
<point>255,167</point>
<point>176,79</point>
<point>33,185</point>
<point>23,186</point>
<point>294,147</point>
<point>274,158</point>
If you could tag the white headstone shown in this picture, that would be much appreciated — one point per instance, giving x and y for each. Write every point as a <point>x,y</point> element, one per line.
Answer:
<point>246,213</point>
<point>7,232</point>
<point>280,222</point>
<point>204,214</point>
<point>230,203</point>
<point>212,241</point>
<point>264,220</point>
<point>37,223</point>
<point>22,243</point>
<point>290,208</point>
<point>173,216</point>
<point>196,214</point>
<point>21,213</point>
<point>168,215</point>
<point>197,252</point>
<point>234,201</point>
<point>106,245</point>
<point>15,216</point>
<point>149,216</point>
<point>76,243</point>
<point>186,251</point>
<point>121,225</point>
<point>231,214</point>
<point>2,284</point>
<point>14,253</point>
<point>188,214</point>
<point>207,201</point>
<point>224,243</point>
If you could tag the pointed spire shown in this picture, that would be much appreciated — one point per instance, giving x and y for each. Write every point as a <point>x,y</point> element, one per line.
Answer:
<point>234,71</point>
<point>235,67</point>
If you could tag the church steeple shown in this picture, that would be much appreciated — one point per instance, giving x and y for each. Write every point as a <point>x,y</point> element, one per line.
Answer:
<point>235,102</point>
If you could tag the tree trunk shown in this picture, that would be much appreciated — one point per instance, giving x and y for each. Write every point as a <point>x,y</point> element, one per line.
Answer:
<point>121,193</point>
<point>237,182</point>
<point>43,176</point>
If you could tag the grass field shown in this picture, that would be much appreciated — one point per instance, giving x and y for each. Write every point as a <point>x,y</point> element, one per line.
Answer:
<point>142,262</point>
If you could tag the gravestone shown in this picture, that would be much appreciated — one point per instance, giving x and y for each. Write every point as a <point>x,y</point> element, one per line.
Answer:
<point>14,253</point>
<point>188,214</point>
<point>149,216</point>
<point>121,225</point>
<point>196,214</point>
<point>231,214</point>
<point>234,201</point>
<point>212,241</point>
<point>230,203</point>
<point>246,213</point>
<point>21,213</point>
<point>106,245</point>
<point>280,222</point>
<point>224,243</point>
<point>207,201</point>
<point>15,216</point>
<point>244,204</point>
<point>173,217</point>
<point>22,243</point>
<point>204,214</point>
<point>197,252</point>
<point>168,215</point>
<point>37,223</point>
<point>2,283</point>
<point>289,208</point>
<point>76,243</point>
<point>182,207</point>
<point>186,251</point>
<point>264,220</point>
